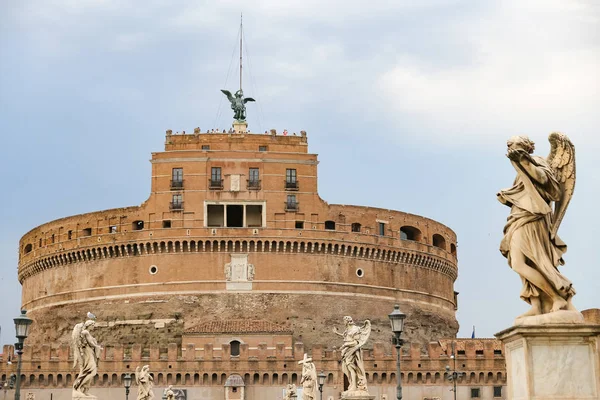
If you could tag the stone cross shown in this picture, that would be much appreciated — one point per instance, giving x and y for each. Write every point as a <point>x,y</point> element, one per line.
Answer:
<point>305,360</point>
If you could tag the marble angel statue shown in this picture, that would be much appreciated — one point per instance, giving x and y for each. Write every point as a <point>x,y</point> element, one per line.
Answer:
<point>86,353</point>
<point>145,383</point>
<point>538,201</point>
<point>352,360</point>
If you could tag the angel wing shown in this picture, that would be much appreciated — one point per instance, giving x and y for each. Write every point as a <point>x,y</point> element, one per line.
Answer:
<point>365,332</point>
<point>75,342</point>
<point>229,95</point>
<point>247,99</point>
<point>562,160</point>
<point>137,375</point>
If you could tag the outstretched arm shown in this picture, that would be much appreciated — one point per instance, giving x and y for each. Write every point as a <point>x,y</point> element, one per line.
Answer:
<point>337,332</point>
<point>524,161</point>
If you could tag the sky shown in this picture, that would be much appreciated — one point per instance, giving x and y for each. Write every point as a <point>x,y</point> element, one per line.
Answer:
<point>408,103</point>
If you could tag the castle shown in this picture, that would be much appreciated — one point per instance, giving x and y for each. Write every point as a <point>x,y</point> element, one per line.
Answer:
<point>234,266</point>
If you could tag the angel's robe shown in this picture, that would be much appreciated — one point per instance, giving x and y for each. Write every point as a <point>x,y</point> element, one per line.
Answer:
<point>352,359</point>
<point>88,367</point>
<point>532,214</point>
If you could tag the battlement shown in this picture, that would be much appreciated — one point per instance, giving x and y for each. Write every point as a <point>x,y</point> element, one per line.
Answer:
<point>47,366</point>
<point>467,349</point>
<point>237,141</point>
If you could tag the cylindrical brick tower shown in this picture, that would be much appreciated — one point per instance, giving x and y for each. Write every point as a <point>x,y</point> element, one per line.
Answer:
<point>234,228</point>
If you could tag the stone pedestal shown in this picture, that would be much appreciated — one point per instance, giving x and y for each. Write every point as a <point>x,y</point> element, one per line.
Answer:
<point>80,396</point>
<point>240,126</point>
<point>357,395</point>
<point>557,361</point>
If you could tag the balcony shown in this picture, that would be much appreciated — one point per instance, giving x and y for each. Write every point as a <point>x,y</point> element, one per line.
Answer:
<point>289,185</point>
<point>215,184</point>
<point>176,206</point>
<point>176,185</point>
<point>253,184</point>
<point>291,206</point>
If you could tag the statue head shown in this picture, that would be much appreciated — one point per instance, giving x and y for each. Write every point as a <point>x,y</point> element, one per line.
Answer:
<point>348,320</point>
<point>145,368</point>
<point>170,387</point>
<point>89,324</point>
<point>239,93</point>
<point>521,142</point>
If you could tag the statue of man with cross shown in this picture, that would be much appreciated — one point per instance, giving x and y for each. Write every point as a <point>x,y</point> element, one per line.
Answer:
<point>309,378</point>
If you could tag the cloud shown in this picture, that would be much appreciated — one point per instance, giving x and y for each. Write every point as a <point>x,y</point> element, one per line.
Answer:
<point>531,62</point>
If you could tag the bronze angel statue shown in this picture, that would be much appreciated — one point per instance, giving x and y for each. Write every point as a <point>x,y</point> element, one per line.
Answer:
<point>238,104</point>
<point>538,200</point>
<point>352,360</point>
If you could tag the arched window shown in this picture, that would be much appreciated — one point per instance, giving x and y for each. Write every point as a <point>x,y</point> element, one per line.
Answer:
<point>356,227</point>
<point>453,249</point>
<point>410,233</point>
<point>137,225</point>
<point>27,248</point>
<point>439,241</point>
<point>235,347</point>
<point>330,225</point>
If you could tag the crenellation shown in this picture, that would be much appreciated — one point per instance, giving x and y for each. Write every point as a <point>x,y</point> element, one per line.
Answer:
<point>173,352</point>
<point>419,368</point>
<point>136,352</point>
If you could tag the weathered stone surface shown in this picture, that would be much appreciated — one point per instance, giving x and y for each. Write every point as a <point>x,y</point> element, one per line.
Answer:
<point>557,317</point>
<point>80,396</point>
<point>552,362</point>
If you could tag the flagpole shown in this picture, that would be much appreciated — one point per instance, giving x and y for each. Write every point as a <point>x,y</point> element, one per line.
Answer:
<point>241,35</point>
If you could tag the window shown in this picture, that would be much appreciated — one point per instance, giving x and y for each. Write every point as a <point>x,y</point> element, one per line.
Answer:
<point>177,203</point>
<point>166,223</point>
<point>262,148</point>
<point>330,225</point>
<point>52,238</point>
<point>410,233</point>
<point>497,391</point>
<point>232,215</point>
<point>460,352</point>
<point>216,215</point>
<point>254,217</point>
<point>474,393</point>
<point>40,243</point>
<point>70,235</point>
<point>215,178</point>
<point>497,352</point>
<point>299,224</point>
<point>290,179</point>
<point>235,215</point>
<point>205,147</point>
<point>453,249</point>
<point>291,203</point>
<point>177,178</point>
<point>235,348</point>
<point>86,232</point>
<point>439,241</point>
<point>137,225</point>
<point>356,227</point>
<point>27,248</point>
<point>254,179</point>
<point>381,229</point>
<point>112,229</point>
<point>478,352</point>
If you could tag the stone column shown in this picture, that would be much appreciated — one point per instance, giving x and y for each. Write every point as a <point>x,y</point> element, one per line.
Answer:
<point>557,361</point>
